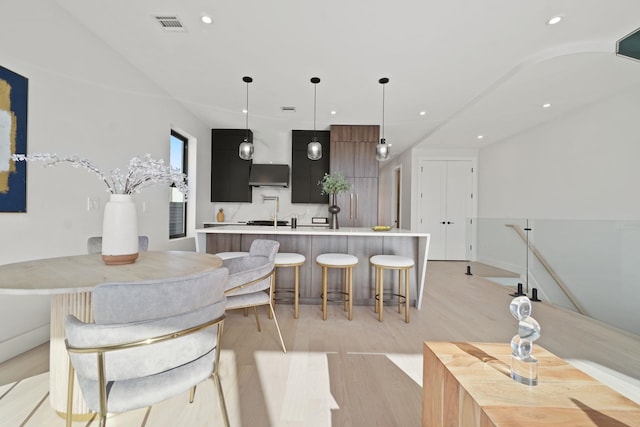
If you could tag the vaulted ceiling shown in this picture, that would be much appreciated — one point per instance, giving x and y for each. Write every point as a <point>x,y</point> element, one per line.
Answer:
<point>473,67</point>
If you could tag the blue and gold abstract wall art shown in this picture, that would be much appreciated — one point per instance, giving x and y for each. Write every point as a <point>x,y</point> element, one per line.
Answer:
<point>13,139</point>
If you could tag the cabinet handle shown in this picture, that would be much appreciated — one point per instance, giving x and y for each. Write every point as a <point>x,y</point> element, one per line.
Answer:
<point>357,205</point>
<point>351,206</point>
<point>443,222</point>
<point>449,222</point>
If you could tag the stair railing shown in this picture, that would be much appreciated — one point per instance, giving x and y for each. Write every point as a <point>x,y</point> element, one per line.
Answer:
<point>547,267</point>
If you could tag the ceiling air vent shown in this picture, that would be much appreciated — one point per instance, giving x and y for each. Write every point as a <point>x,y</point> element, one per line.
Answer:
<point>170,23</point>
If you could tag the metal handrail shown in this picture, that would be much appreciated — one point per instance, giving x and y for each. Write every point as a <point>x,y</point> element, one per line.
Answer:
<point>547,267</point>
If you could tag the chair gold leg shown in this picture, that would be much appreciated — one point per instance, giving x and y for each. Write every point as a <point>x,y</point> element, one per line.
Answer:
<point>255,310</point>
<point>272,290</point>
<point>223,405</point>
<point>192,394</point>
<point>284,349</point>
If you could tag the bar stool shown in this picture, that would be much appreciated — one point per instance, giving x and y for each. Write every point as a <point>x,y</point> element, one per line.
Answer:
<point>287,259</point>
<point>343,261</point>
<point>392,262</point>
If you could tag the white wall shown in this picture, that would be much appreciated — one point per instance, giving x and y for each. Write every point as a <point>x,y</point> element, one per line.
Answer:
<point>584,166</point>
<point>84,99</point>
<point>385,189</point>
<point>576,178</point>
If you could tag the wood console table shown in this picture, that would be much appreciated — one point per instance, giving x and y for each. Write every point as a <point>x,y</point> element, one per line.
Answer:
<point>469,385</point>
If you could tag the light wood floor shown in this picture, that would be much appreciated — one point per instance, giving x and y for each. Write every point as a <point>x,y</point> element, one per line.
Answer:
<point>341,373</point>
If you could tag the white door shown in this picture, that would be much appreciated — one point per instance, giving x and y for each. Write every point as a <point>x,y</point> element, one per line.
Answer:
<point>445,207</point>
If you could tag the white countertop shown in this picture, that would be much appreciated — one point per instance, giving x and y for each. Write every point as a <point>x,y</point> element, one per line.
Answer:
<point>309,231</point>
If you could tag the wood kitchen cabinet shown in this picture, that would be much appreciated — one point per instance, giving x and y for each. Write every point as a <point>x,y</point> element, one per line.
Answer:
<point>353,153</point>
<point>306,173</point>
<point>229,173</point>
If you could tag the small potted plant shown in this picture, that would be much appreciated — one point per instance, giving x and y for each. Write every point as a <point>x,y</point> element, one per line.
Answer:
<point>334,184</point>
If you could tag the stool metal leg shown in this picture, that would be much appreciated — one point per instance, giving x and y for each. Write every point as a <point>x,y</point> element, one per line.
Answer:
<point>381,293</point>
<point>324,293</point>
<point>406,295</point>
<point>350,291</point>
<point>401,291</point>
<point>375,289</point>
<point>296,290</point>
<point>346,290</point>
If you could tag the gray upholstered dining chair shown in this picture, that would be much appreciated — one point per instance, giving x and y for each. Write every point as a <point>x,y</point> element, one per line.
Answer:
<point>151,340</point>
<point>94,244</point>
<point>251,280</point>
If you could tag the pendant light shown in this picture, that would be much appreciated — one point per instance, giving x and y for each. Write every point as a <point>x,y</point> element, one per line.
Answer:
<point>245,150</point>
<point>314,148</point>
<point>382,149</point>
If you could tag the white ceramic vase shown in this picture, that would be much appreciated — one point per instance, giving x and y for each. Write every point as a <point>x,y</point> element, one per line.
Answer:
<point>120,230</point>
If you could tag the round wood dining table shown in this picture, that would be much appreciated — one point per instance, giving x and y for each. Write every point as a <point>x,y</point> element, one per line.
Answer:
<point>70,280</point>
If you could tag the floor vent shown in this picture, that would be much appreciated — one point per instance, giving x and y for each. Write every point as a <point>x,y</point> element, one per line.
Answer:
<point>170,23</point>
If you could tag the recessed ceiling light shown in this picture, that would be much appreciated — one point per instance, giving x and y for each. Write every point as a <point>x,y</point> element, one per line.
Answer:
<point>333,113</point>
<point>206,19</point>
<point>480,136</point>
<point>547,105</point>
<point>423,113</point>
<point>554,20</point>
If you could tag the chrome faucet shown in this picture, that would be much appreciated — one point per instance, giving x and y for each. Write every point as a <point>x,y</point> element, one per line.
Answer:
<point>275,208</point>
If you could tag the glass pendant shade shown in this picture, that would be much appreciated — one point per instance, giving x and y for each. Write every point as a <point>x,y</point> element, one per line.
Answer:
<point>246,150</point>
<point>314,150</point>
<point>382,150</point>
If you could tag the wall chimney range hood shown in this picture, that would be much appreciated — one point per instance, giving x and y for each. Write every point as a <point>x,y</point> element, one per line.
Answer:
<point>262,175</point>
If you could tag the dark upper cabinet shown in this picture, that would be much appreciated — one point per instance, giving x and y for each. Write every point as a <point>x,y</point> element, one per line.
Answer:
<point>229,173</point>
<point>306,173</point>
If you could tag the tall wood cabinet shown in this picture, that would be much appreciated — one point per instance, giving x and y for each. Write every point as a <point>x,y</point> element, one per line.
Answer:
<point>353,152</point>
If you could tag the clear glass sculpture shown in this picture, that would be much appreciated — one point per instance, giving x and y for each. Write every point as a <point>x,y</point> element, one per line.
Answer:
<point>524,367</point>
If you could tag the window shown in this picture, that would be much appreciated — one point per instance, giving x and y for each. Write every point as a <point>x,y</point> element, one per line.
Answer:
<point>177,201</point>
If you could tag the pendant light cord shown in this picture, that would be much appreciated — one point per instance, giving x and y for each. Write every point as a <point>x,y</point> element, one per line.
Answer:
<point>383,111</point>
<point>315,89</point>
<point>247,118</point>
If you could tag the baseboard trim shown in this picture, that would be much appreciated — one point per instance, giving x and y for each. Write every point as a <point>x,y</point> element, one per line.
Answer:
<point>23,342</point>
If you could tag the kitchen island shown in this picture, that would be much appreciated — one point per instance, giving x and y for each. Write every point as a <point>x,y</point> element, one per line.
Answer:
<point>312,241</point>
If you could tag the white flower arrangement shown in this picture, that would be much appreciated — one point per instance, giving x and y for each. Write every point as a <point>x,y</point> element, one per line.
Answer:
<point>143,172</point>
